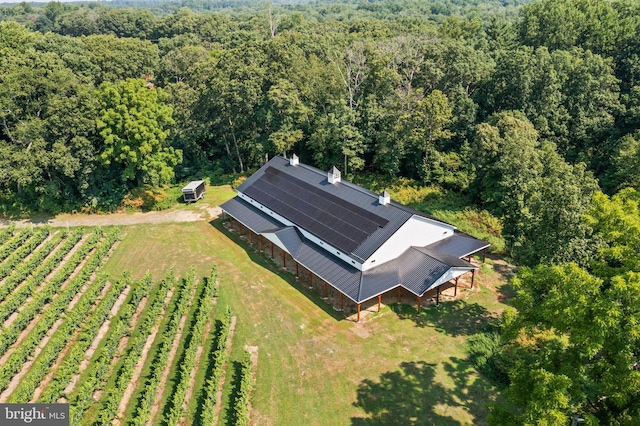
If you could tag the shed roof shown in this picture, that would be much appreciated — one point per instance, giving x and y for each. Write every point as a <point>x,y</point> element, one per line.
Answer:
<point>193,185</point>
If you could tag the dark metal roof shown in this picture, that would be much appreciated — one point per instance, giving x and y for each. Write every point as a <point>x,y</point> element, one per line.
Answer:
<point>360,243</point>
<point>338,222</point>
<point>458,245</point>
<point>250,216</point>
<point>417,269</point>
<point>349,218</point>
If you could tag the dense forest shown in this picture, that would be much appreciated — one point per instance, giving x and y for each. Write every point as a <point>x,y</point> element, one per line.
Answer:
<point>530,110</point>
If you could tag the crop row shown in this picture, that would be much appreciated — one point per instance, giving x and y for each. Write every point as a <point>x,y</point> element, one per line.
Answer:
<point>73,320</point>
<point>23,270</point>
<point>241,402</point>
<point>219,361</point>
<point>100,366</point>
<point>23,251</point>
<point>18,297</point>
<point>59,304</point>
<point>7,232</point>
<point>143,411</point>
<point>71,362</point>
<point>11,245</point>
<point>189,360</point>
<point>152,314</point>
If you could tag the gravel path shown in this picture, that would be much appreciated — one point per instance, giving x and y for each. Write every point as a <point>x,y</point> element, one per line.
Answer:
<point>202,212</point>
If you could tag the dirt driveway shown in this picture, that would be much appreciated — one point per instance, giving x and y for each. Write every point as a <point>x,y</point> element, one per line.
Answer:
<point>201,212</point>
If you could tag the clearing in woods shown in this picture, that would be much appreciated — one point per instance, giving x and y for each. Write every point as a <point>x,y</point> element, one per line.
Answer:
<point>316,366</point>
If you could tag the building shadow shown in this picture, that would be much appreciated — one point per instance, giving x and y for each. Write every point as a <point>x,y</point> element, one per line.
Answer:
<point>408,396</point>
<point>263,260</point>
<point>454,318</point>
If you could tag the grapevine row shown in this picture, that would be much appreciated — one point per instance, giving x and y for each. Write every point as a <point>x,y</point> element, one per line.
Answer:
<point>241,402</point>
<point>23,251</point>
<point>18,297</point>
<point>11,245</point>
<point>51,351</point>
<point>143,412</point>
<point>25,269</point>
<point>57,307</point>
<point>99,368</point>
<point>188,364</point>
<point>113,396</point>
<point>74,357</point>
<point>73,320</point>
<point>7,232</point>
<point>219,361</point>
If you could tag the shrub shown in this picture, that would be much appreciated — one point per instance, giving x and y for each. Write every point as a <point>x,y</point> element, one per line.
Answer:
<point>485,352</point>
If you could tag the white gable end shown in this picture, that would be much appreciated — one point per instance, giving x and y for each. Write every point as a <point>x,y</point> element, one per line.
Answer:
<point>418,231</point>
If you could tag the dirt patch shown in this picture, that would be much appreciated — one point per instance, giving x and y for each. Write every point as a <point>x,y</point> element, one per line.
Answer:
<point>204,212</point>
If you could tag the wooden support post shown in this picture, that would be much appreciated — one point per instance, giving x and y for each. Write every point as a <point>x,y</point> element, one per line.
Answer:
<point>297,269</point>
<point>310,279</point>
<point>272,249</point>
<point>250,236</point>
<point>379,300</point>
<point>341,302</point>
<point>260,242</point>
<point>419,304</point>
<point>473,276</point>
<point>223,215</point>
<point>284,259</point>
<point>455,289</point>
<point>484,255</point>
<point>326,294</point>
<point>358,312</point>
<point>438,296</point>
<point>399,294</point>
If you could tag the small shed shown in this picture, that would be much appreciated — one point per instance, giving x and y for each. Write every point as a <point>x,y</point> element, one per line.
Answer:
<point>193,191</point>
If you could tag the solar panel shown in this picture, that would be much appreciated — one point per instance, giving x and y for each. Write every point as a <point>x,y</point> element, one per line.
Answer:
<point>359,211</point>
<point>340,223</point>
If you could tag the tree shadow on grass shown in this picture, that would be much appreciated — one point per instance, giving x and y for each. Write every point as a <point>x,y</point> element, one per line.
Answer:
<point>454,318</point>
<point>408,396</point>
<point>470,388</point>
<point>412,396</point>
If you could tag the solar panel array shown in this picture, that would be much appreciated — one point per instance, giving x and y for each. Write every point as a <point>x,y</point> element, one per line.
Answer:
<point>334,220</point>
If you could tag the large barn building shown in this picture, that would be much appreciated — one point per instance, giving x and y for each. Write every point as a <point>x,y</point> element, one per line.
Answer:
<point>360,243</point>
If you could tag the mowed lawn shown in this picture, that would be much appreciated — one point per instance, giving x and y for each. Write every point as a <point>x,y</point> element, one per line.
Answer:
<point>315,368</point>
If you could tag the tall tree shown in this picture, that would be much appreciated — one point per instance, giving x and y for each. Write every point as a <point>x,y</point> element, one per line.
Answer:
<point>133,124</point>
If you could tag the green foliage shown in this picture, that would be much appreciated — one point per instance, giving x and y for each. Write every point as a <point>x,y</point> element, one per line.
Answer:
<point>143,412</point>
<point>202,316</point>
<point>242,396</point>
<point>219,360</point>
<point>570,347</point>
<point>485,352</point>
<point>540,198</point>
<point>616,220</point>
<point>132,124</point>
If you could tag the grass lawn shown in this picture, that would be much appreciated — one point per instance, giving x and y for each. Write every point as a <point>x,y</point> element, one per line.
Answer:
<point>313,369</point>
